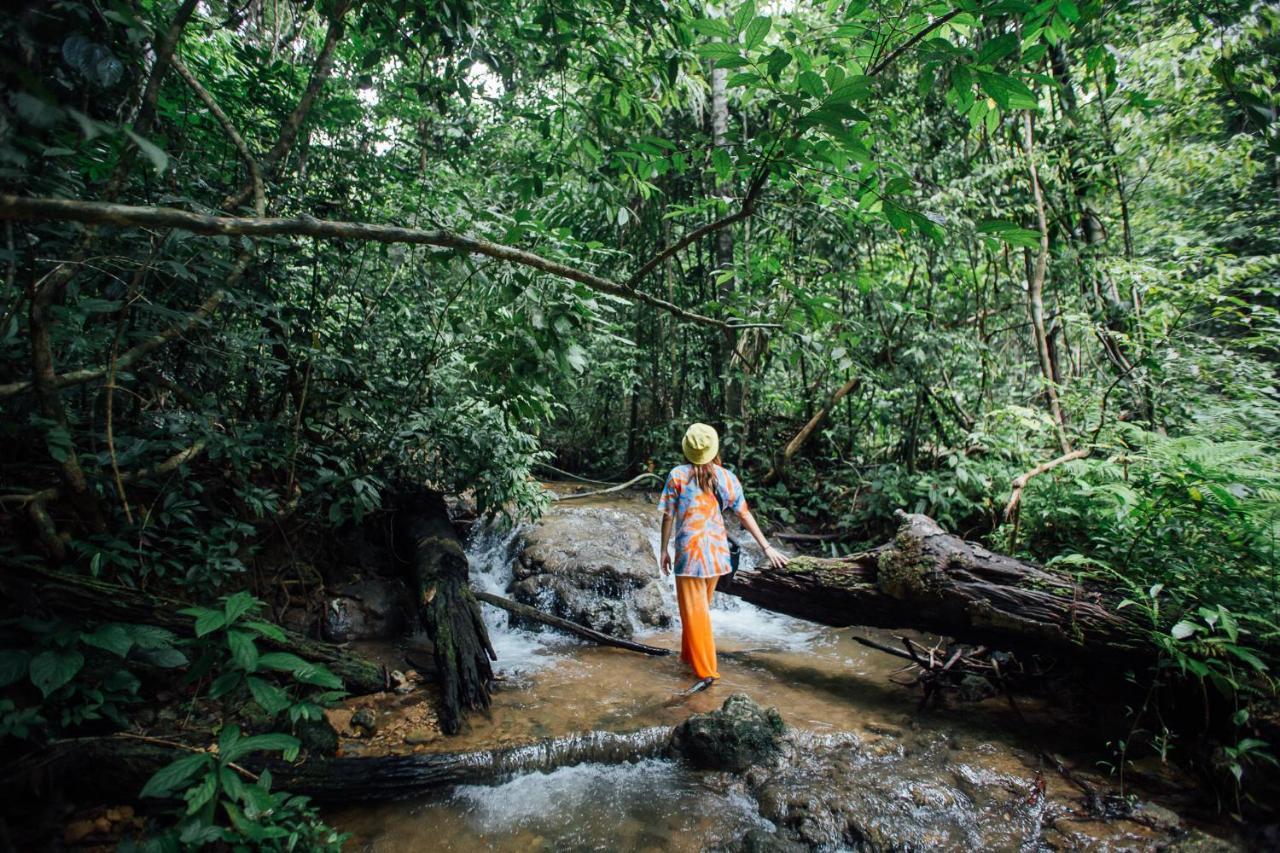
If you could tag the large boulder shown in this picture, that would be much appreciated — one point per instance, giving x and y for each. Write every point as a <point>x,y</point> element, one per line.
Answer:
<point>733,738</point>
<point>594,565</point>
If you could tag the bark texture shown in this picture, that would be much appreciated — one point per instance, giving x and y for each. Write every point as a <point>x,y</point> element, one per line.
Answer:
<point>448,609</point>
<point>929,580</point>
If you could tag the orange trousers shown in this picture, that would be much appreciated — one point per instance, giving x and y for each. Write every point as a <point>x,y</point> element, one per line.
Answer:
<point>697,645</point>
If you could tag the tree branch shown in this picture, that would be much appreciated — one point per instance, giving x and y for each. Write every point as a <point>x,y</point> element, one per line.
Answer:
<point>893,55</point>
<point>255,173</point>
<point>293,124</point>
<point>130,356</point>
<point>1020,481</point>
<point>16,207</point>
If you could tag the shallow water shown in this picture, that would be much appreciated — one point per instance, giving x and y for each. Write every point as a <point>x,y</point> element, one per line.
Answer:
<point>948,778</point>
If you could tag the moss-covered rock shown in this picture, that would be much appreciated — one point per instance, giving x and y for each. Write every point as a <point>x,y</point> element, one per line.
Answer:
<point>735,737</point>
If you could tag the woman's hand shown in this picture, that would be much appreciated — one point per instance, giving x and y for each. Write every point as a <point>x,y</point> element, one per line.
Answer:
<point>776,558</point>
<point>666,562</point>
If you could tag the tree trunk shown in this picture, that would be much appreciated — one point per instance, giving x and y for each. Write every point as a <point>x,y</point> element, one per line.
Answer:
<point>448,609</point>
<point>929,580</point>
<point>783,459</point>
<point>1035,289</point>
<point>121,765</point>
<point>99,601</point>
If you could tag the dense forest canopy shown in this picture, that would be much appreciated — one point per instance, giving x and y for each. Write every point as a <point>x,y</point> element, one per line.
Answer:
<point>267,263</point>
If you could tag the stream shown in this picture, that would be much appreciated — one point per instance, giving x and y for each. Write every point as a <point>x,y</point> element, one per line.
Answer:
<point>863,768</point>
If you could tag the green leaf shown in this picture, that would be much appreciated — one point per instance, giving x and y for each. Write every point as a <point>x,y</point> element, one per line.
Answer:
<point>1011,233</point>
<point>168,779</point>
<point>319,676</point>
<point>757,30</point>
<point>51,670</point>
<point>244,652</point>
<point>849,89</point>
<point>260,743</point>
<point>998,48</point>
<point>778,60</point>
<point>1183,629</point>
<point>811,84</point>
<point>207,621</point>
<point>712,27</point>
<point>13,666</point>
<point>268,630</point>
<point>1008,92</point>
<point>282,662</point>
<point>110,638</point>
<point>743,16</point>
<point>722,163</point>
<point>239,604</point>
<point>717,50</point>
<point>272,698</point>
<point>225,683</point>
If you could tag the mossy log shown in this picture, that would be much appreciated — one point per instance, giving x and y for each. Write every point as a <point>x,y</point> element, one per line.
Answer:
<point>121,765</point>
<point>37,589</point>
<point>447,608</point>
<point>930,580</point>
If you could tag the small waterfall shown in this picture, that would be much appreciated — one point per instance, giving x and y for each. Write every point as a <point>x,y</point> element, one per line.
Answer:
<point>491,550</point>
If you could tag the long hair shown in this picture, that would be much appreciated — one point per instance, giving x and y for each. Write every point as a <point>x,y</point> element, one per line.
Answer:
<point>705,474</point>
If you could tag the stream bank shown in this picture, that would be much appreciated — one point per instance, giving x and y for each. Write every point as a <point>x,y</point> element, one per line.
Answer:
<point>862,766</point>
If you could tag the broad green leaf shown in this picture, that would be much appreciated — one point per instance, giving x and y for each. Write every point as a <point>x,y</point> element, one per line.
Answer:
<point>243,650</point>
<point>272,698</point>
<point>712,27</point>
<point>997,48</point>
<point>225,683</point>
<point>169,779</point>
<point>1183,629</point>
<point>722,163</point>
<point>757,30</point>
<point>1009,93</point>
<point>282,662</point>
<point>239,604</point>
<point>743,15</point>
<point>52,669</point>
<point>259,743</point>
<point>111,638</point>
<point>268,630</point>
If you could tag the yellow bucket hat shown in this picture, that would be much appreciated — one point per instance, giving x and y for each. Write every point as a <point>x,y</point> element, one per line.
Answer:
<point>701,444</point>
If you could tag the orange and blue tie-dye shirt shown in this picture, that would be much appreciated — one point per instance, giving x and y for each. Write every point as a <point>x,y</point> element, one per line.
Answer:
<point>702,545</point>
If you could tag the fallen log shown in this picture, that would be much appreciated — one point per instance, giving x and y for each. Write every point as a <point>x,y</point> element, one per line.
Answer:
<point>447,608</point>
<point>122,765</point>
<point>929,580</point>
<point>524,611</point>
<point>98,601</point>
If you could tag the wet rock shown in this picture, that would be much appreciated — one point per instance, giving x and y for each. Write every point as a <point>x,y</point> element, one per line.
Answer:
<point>421,736</point>
<point>763,841</point>
<point>370,609</point>
<point>733,738</point>
<point>1157,817</point>
<point>364,719</point>
<point>594,565</point>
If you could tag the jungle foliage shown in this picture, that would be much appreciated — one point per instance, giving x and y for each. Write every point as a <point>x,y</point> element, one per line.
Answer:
<point>960,239</point>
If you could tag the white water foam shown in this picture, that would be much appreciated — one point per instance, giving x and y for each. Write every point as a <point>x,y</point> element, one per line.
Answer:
<point>491,551</point>
<point>580,807</point>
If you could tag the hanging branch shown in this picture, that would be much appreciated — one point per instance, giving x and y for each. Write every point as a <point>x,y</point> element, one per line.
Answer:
<point>98,213</point>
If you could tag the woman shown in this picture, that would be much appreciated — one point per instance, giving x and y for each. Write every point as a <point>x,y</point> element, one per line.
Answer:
<point>693,501</point>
